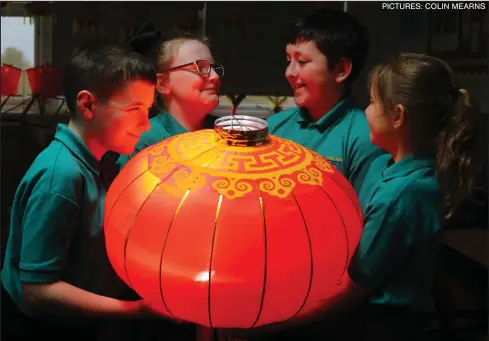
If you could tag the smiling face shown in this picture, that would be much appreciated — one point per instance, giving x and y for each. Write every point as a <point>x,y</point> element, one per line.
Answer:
<point>186,85</point>
<point>118,122</point>
<point>387,128</point>
<point>308,74</point>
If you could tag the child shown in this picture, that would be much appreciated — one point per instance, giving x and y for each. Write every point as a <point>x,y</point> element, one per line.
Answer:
<point>325,53</point>
<point>57,281</point>
<point>429,128</point>
<point>188,85</point>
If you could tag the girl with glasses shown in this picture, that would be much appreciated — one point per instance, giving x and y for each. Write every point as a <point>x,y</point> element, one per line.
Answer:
<point>188,84</point>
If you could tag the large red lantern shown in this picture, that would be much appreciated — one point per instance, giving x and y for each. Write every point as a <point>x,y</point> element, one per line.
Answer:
<point>231,228</point>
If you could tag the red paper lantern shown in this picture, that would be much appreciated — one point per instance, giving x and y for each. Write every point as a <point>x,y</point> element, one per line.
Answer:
<point>10,80</point>
<point>231,228</point>
<point>45,81</point>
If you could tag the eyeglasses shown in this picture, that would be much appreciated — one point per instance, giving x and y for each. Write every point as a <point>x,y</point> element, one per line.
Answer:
<point>203,67</point>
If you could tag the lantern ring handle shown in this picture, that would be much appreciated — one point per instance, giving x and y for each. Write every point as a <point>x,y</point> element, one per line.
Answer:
<point>242,130</point>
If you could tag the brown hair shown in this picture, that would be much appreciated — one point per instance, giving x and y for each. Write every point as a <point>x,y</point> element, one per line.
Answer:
<point>440,117</point>
<point>167,48</point>
<point>162,54</point>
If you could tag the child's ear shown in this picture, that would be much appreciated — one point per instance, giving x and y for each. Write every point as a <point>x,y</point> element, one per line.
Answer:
<point>85,101</point>
<point>398,116</point>
<point>342,70</point>
<point>162,85</point>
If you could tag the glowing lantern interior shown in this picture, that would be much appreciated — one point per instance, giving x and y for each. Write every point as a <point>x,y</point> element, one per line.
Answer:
<point>232,227</point>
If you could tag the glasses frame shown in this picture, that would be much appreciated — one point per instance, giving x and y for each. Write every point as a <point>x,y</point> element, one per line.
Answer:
<point>213,66</point>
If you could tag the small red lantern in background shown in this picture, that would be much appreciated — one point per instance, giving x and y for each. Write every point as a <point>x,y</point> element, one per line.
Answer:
<point>10,80</point>
<point>45,81</point>
<point>231,228</point>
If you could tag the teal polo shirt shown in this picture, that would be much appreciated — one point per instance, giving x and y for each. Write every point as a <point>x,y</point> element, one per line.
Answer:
<point>163,126</point>
<point>342,136</point>
<point>56,226</point>
<point>402,233</point>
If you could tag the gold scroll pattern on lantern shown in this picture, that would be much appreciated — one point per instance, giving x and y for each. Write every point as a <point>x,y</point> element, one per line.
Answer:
<point>192,160</point>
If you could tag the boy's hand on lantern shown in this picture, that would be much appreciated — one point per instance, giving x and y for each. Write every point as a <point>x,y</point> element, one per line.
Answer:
<point>148,310</point>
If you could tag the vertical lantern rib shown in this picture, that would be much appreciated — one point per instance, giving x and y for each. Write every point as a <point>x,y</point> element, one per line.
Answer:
<point>349,197</point>
<point>129,232</point>
<point>218,211</point>
<point>160,278</point>
<point>164,246</point>
<point>344,229</point>
<point>120,195</point>
<point>195,180</point>
<point>310,253</point>
<point>262,208</point>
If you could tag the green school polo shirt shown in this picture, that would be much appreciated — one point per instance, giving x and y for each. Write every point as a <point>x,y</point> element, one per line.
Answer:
<point>342,136</point>
<point>402,232</point>
<point>163,126</point>
<point>56,226</point>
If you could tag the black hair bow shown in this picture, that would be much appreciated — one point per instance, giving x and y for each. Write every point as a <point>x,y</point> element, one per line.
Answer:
<point>144,39</point>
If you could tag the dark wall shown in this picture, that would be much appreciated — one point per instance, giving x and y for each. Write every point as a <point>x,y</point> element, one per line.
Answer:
<point>20,144</point>
<point>246,37</point>
<point>77,22</point>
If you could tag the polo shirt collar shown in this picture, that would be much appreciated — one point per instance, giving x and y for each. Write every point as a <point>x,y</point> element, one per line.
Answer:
<point>76,146</point>
<point>337,112</point>
<point>407,165</point>
<point>170,124</point>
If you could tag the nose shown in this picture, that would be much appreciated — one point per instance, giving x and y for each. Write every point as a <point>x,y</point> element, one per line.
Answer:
<point>144,121</point>
<point>290,71</point>
<point>213,76</point>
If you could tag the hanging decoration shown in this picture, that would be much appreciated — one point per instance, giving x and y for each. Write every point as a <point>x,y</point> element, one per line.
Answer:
<point>235,101</point>
<point>277,102</point>
<point>45,81</point>
<point>10,80</point>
